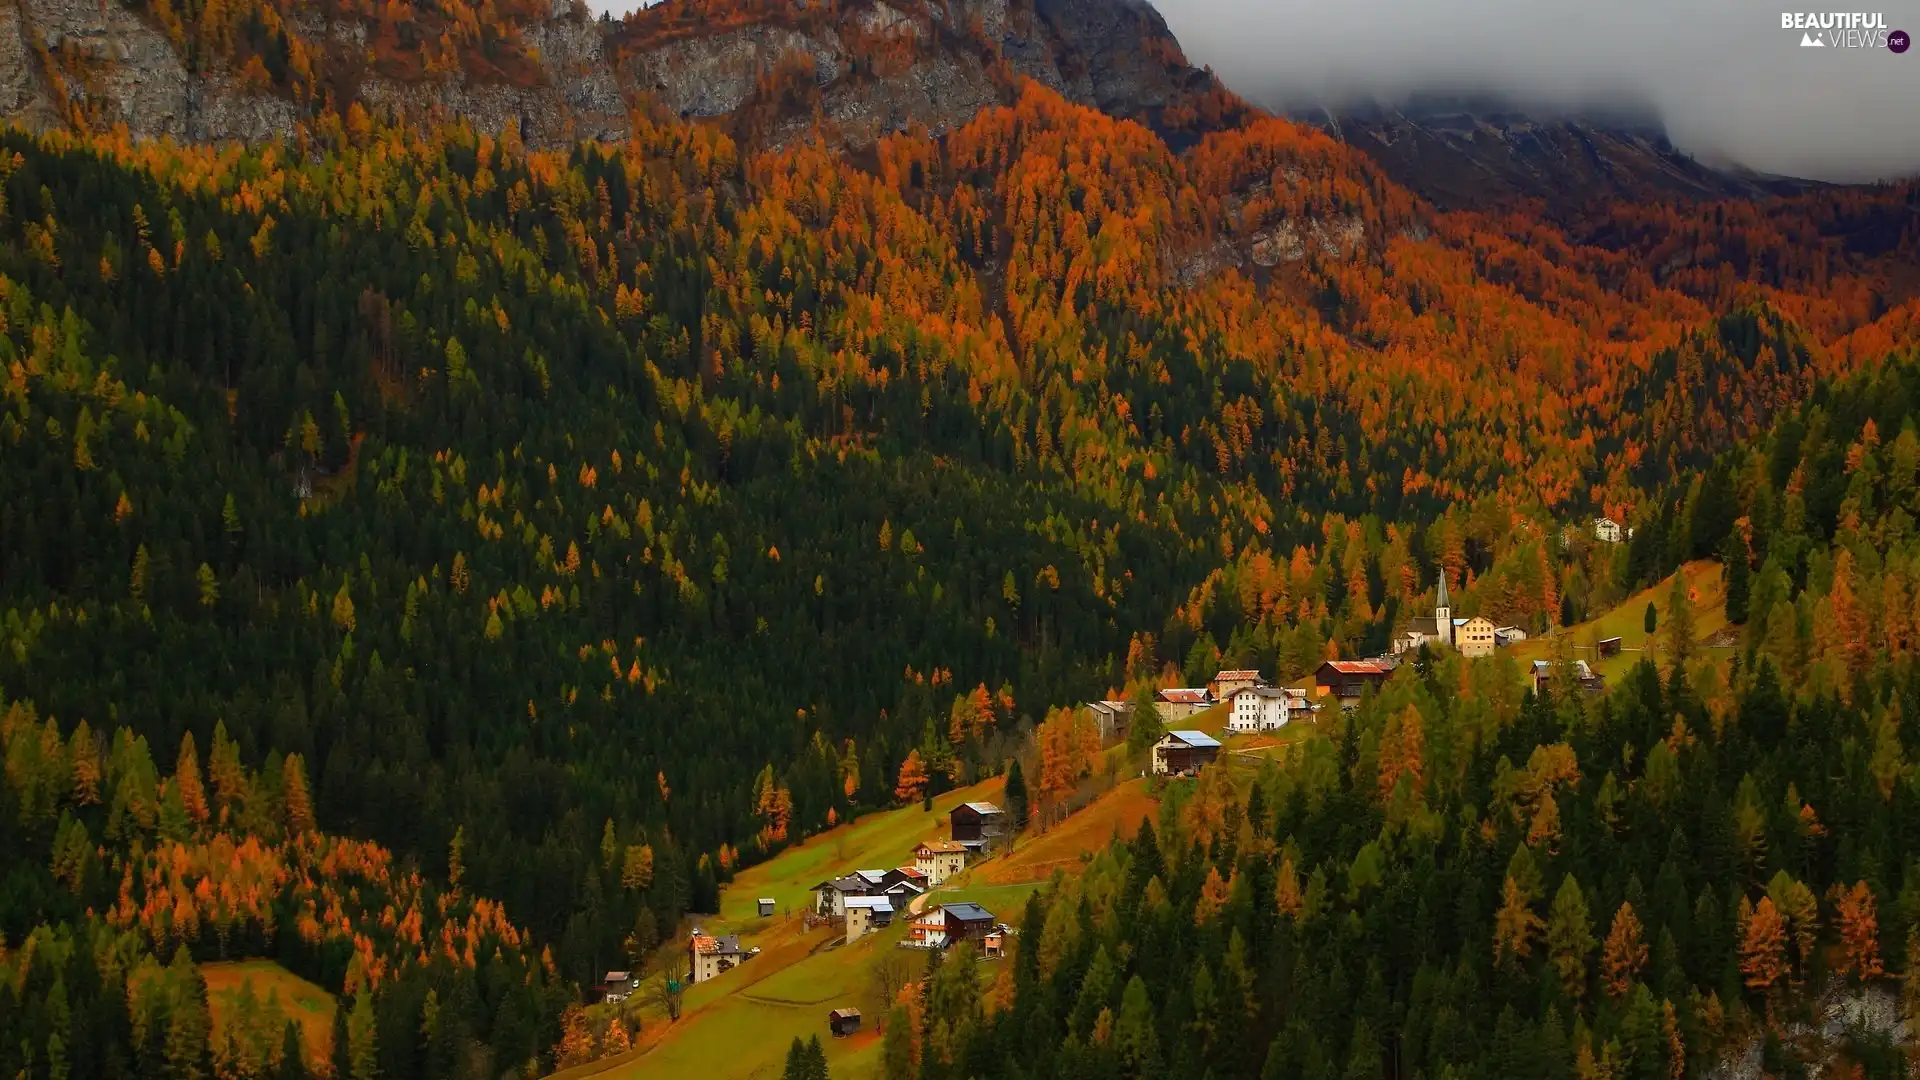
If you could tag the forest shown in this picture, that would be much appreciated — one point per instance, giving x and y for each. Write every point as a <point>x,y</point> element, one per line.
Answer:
<point>532,539</point>
<point>1710,866</point>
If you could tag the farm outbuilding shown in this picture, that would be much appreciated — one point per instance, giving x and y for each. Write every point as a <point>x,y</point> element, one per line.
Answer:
<point>843,1022</point>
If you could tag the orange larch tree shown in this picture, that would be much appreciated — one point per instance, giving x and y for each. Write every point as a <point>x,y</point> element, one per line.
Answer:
<point>912,783</point>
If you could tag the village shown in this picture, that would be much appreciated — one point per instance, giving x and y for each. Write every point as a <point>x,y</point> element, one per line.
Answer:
<point>921,883</point>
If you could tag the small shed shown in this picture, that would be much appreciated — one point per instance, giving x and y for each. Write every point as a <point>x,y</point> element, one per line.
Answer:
<point>766,906</point>
<point>994,945</point>
<point>843,1022</point>
<point>1609,647</point>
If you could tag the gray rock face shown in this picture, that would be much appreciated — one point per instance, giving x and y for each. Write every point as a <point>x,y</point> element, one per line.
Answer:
<point>714,75</point>
<point>115,64</point>
<point>115,67</point>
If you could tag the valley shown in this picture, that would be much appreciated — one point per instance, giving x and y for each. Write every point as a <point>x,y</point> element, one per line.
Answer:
<point>489,495</point>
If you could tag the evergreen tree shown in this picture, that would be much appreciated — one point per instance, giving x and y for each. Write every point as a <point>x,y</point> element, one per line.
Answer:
<point>1651,622</point>
<point>292,1054</point>
<point>1739,577</point>
<point>1016,793</point>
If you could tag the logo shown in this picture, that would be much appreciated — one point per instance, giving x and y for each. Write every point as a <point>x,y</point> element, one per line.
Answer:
<point>1843,30</point>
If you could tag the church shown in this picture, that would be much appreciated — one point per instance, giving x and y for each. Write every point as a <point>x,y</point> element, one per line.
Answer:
<point>1472,637</point>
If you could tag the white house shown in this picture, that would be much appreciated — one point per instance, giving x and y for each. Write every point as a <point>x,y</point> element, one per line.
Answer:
<point>1265,708</point>
<point>1181,753</point>
<point>1606,530</point>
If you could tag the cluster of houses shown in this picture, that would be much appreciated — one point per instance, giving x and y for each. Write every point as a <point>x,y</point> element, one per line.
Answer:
<point>868,899</point>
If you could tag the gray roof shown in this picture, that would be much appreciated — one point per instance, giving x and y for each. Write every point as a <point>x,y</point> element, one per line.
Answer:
<point>871,903</point>
<point>1195,738</point>
<point>967,912</point>
<point>982,807</point>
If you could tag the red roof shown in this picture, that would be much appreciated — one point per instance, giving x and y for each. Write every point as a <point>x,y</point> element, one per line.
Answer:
<point>1360,667</point>
<point>1184,696</point>
<point>1236,676</point>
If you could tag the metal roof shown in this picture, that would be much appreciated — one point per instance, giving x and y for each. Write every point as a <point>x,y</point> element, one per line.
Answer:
<point>1195,738</point>
<point>982,807</point>
<point>871,903</point>
<point>967,912</point>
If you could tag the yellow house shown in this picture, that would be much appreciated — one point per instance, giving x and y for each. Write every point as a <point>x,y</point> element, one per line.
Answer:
<point>1475,637</point>
<point>867,913</point>
<point>939,860</point>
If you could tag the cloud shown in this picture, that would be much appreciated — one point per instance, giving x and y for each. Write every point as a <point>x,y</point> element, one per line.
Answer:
<point>1731,84</point>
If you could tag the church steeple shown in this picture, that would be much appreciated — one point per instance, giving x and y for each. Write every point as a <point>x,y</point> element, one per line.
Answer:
<point>1443,612</point>
<point>1440,601</point>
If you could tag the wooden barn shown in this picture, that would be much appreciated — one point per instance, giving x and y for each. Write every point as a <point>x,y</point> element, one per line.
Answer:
<point>843,1022</point>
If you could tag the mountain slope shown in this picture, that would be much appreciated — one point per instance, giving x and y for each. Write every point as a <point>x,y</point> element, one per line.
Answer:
<point>1478,152</point>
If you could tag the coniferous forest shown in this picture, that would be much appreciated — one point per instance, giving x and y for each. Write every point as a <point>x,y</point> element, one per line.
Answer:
<point>439,566</point>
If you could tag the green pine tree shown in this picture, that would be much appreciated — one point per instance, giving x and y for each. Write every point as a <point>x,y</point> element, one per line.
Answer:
<point>1016,792</point>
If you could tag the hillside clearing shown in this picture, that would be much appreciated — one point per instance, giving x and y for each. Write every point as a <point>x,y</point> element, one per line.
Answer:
<point>1626,621</point>
<point>301,1001</point>
<point>1036,856</point>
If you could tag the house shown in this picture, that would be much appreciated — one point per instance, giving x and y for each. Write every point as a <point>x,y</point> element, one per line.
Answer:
<point>1474,637</point>
<point>904,883</point>
<point>976,825</point>
<point>951,923</point>
<point>1606,530</point>
<point>1504,636</point>
<point>843,1021</point>
<point>713,955</point>
<point>1113,718</point>
<point>1265,708</point>
<point>1178,703</point>
<point>1226,683</point>
<point>1348,679</point>
<point>939,859</point>
<point>994,945</point>
<point>1183,752</point>
<point>929,931</point>
<point>830,897</point>
<point>1590,681</point>
<point>619,985</point>
<point>1609,647</point>
<point>967,922</point>
<point>865,913</point>
<point>1437,630</point>
<point>766,906</point>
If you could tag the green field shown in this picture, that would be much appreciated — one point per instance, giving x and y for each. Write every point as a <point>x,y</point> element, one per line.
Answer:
<point>1627,621</point>
<point>747,1032</point>
<point>741,1024</point>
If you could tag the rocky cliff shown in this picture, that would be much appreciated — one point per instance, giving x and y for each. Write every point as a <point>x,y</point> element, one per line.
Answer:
<point>857,70</point>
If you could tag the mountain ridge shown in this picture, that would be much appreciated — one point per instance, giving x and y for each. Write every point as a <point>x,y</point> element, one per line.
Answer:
<point>857,71</point>
<point>1481,150</point>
